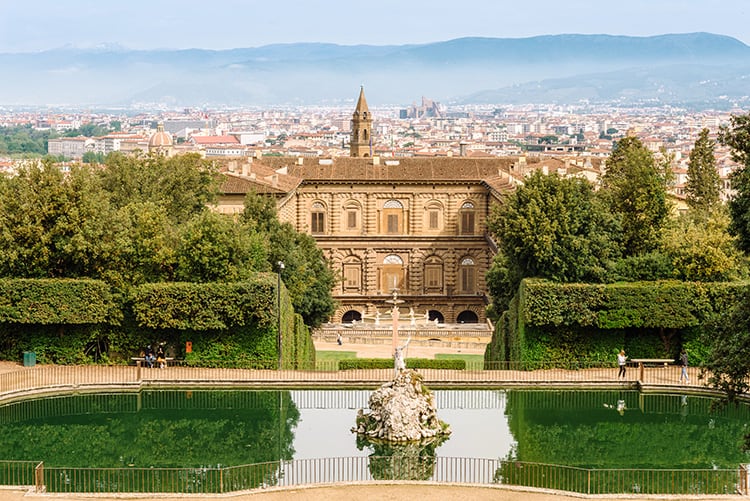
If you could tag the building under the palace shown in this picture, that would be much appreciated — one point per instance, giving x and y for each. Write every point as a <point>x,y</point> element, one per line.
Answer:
<point>413,224</point>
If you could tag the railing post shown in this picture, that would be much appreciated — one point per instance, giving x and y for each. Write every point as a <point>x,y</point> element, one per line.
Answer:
<point>39,478</point>
<point>640,367</point>
<point>138,371</point>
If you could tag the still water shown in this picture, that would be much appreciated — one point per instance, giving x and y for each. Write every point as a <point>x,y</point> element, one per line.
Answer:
<point>202,428</point>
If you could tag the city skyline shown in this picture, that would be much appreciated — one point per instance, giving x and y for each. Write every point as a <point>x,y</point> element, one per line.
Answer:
<point>38,25</point>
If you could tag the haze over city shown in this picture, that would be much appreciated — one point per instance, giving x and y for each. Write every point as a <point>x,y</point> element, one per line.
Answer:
<point>37,25</point>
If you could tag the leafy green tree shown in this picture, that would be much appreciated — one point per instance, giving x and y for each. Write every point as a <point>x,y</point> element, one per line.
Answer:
<point>737,136</point>
<point>727,366</point>
<point>143,246</point>
<point>91,157</point>
<point>702,250</point>
<point>634,186</point>
<point>306,273</point>
<point>214,247</point>
<point>24,140</point>
<point>53,225</point>
<point>703,182</point>
<point>184,184</point>
<point>551,227</point>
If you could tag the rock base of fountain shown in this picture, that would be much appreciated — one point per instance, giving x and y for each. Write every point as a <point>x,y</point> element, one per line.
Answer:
<point>402,410</point>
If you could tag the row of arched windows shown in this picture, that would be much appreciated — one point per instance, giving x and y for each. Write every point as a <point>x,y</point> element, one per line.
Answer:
<point>464,317</point>
<point>392,221</point>
<point>392,275</point>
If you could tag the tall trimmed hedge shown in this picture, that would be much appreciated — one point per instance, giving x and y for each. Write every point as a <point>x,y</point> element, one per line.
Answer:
<point>57,301</point>
<point>561,323</point>
<point>79,321</point>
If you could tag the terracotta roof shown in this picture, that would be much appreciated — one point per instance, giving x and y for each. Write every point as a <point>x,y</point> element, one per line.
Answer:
<point>404,169</point>
<point>214,139</point>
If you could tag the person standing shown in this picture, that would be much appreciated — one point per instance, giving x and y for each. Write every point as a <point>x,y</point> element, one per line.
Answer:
<point>622,360</point>
<point>684,366</point>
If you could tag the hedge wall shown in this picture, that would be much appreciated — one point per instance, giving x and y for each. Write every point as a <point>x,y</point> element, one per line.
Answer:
<point>562,323</point>
<point>79,321</point>
<point>57,301</point>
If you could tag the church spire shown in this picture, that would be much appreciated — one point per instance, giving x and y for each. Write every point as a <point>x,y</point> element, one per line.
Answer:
<point>360,144</point>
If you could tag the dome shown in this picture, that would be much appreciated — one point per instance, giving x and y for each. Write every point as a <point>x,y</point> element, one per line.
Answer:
<point>160,139</point>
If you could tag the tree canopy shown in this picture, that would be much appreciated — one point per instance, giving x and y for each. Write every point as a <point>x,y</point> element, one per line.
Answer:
<point>146,219</point>
<point>634,186</point>
<point>703,186</point>
<point>551,227</point>
<point>736,135</point>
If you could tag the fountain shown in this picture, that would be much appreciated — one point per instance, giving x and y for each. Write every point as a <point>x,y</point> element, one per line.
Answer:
<point>402,410</point>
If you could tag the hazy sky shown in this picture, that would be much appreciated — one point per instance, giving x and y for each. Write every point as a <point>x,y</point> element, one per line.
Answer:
<point>31,25</point>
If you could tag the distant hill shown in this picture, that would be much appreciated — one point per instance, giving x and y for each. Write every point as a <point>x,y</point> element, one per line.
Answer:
<point>695,67</point>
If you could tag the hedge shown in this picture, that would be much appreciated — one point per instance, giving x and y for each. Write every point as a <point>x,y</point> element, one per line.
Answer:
<point>659,304</point>
<point>80,321</point>
<point>411,363</point>
<point>57,301</point>
<point>564,323</point>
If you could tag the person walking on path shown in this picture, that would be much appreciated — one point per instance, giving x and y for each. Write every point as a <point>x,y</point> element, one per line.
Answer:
<point>622,360</point>
<point>684,366</point>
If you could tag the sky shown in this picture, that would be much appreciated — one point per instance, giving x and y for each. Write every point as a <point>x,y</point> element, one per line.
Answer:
<point>34,25</point>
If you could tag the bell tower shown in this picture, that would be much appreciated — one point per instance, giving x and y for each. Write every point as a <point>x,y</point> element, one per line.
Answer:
<point>360,144</point>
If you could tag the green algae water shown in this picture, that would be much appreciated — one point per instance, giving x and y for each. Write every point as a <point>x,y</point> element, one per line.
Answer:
<point>218,428</point>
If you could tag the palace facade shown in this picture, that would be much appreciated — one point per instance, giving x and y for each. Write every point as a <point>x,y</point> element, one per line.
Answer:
<point>418,225</point>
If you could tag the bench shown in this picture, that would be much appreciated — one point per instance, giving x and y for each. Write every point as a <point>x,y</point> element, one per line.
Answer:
<point>142,360</point>
<point>642,362</point>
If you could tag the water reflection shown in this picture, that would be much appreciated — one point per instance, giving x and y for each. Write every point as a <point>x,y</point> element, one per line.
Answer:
<point>202,429</point>
<point>404,461</point>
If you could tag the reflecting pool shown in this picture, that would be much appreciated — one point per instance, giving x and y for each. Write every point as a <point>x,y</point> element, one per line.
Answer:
<point>209,428</point>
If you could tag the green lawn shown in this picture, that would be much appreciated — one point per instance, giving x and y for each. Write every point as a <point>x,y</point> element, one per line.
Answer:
<point>329,360</point>
<point>472,361</point>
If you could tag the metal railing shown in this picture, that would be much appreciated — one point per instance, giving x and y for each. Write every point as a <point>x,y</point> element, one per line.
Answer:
<point>466,471</point>
<point>44,378</point>
<point>47,378</point>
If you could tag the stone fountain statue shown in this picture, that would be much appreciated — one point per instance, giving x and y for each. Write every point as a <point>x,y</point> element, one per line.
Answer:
<point>402,410</point>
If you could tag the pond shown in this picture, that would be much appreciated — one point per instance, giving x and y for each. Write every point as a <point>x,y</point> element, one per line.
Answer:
<point>210,428</point>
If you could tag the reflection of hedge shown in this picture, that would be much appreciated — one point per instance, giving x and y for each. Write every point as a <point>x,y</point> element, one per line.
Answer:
<point>172,429</point>
<point>411,363</point>
<point>78,321</point>
<point>584,429</point>
<point>549,321</point>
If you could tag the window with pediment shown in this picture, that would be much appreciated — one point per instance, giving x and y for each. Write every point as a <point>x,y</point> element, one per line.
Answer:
<point>352,216</point>
<point>433,216</point>
<point>352,275</point>
<point>433,276</point>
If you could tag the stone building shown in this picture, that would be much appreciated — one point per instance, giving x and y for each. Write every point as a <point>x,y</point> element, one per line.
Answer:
<point>418,225</point>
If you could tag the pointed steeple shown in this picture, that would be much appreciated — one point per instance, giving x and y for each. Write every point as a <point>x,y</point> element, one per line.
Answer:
<point>362,110</point>
<point>360,144</point>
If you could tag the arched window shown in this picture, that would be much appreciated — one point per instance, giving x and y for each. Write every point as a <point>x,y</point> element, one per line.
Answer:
<point>351,316</point>
<point>393,213</point>
<point>433,275</point>
<point>391,274</point>
<point>317,218</point>
<point>467,276</point>
<point>436,315</point>
<point>467,218</point>
<point>467,317</point>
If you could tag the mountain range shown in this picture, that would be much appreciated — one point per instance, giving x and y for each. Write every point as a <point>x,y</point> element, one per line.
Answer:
<point>694,69</point>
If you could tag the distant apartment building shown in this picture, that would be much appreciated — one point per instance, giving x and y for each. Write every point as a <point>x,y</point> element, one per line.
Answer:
<point>70,147</point>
